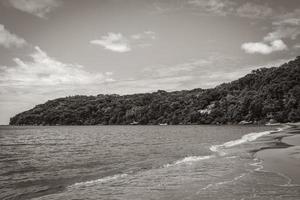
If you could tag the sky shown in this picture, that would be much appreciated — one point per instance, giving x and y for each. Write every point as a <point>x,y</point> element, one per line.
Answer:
<point>58,48</point>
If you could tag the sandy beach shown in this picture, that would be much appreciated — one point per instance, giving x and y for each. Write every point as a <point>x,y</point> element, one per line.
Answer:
<point>284,158</point>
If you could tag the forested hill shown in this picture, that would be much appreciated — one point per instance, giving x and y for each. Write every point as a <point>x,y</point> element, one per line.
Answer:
<point>264,94</point>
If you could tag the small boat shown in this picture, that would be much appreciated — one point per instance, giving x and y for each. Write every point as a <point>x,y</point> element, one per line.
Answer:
<point>163,124</point>
<point>244,122</point>
<point>134,123</point>
<point>272,124</point>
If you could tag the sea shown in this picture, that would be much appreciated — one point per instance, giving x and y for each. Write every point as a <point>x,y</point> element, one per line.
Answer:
<point>192,162</point>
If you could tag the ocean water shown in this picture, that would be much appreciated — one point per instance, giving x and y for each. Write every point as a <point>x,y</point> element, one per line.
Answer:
<point>140,162</point>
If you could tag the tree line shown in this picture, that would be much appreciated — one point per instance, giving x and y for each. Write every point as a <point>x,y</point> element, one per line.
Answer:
<point>262,95</point>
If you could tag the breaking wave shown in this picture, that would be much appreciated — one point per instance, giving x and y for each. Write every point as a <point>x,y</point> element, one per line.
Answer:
<point>101,180</point>
<point>246,138</point>
<point>189,159</point>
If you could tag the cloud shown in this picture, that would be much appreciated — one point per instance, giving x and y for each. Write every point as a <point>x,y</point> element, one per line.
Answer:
<point>149,84</point>
<point>285,26</point>
<point>144,36</point>
<point>218,7</point>
<point>283,32</point>
<point>118,43</point>
<point>292,20</point>
<point>289,18</point>
<point>114,42</point>
<point>236,8</point>
<point>8,39</point>
<point>46,71</point>
<point>38,8</point>
<point>233,8</point>
<point>188,75</point>
<point>143,39</point>
<point>176,70</point>
<point>251,10</point>
<point>262,48</point>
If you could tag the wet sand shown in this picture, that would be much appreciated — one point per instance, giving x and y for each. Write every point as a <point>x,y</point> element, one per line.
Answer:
<point>284,161</point>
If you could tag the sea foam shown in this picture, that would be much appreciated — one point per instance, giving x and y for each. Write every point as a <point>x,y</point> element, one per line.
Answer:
<point>188,160</point>
<point>100,180</point>
<point>246,138</point>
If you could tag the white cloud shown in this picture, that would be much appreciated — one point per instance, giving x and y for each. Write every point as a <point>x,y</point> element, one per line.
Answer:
<point>38,8</point>
<point>176,70</point>
<point>8,39</point>
<point>285,26</point>
<point>232,8</point>
<point>149,84</point>
<point>114,42</point>
<point>143,39</point>
<point>163,7</point>
<point>251,10</point>
<point>188,75</point>
<point>218,7</point>
<point>262,48</point>
<point>283,31</point>
<point>144,36</point>
<point>46,71</point>
<point>118,43</point>
<point>291,18</point>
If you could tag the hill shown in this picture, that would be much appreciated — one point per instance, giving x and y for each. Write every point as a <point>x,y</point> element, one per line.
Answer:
<point>264,94</point>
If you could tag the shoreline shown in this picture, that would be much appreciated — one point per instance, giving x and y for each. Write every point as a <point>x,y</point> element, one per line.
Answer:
<point>284,157</point>
<point>227,124</point>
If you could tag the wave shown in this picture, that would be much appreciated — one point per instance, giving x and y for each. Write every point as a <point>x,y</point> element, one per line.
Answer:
<point>101,180</point>
<point>246,138</point>
<point>189,159</point>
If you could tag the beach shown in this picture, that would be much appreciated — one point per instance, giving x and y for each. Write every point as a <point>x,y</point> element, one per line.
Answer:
<point>283,157</point>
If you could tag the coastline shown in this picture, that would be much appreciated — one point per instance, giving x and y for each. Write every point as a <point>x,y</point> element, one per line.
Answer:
<point>284,157</point>
<point>260,123</point>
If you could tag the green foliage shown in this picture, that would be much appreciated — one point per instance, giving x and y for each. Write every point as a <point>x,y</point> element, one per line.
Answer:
<point>264,94</point>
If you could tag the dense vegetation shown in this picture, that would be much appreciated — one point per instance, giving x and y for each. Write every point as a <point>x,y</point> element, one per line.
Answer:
<point>264,94</point>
